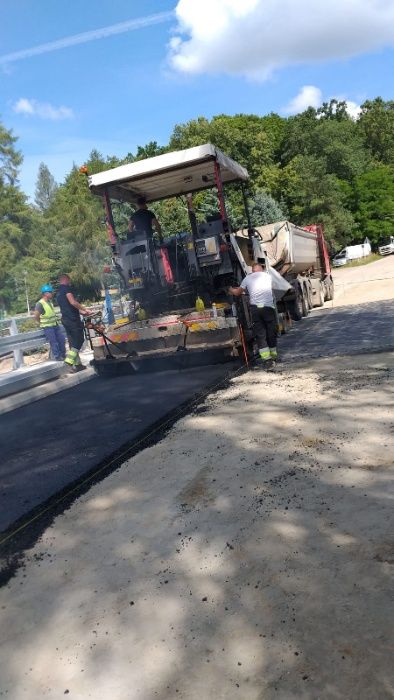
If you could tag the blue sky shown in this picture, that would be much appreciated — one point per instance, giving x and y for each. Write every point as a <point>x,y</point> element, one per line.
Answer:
<point>226,56</point>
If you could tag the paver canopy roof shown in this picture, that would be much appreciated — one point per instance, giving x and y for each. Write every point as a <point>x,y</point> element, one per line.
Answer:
<point>168,175</point>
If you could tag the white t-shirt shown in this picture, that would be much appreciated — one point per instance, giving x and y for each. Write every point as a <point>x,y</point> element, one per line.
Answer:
<point>259,287</point>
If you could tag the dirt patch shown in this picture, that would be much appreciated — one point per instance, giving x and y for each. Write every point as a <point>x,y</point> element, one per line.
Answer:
<point>6,363</point>
<point>196,492</point>
<point>386,554</point>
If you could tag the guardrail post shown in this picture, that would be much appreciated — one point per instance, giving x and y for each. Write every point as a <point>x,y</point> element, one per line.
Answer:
<point>18,354</point>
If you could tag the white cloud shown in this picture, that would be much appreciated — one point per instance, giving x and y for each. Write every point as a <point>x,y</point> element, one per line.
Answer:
<point>84,37</point>
<point>254,37</point>
<point>312,96</point>
<point>353,109</point>
<point>308,96</point>
<point>44,110</point>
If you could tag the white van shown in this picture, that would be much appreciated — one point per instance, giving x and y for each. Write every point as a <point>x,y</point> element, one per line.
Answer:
<point>388,247</point>
<point>352,252</point>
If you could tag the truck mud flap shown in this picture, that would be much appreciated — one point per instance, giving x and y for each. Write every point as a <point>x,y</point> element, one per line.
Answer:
<point>174,361</point>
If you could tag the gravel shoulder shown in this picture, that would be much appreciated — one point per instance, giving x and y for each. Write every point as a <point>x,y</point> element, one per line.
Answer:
<point>366,283</point>
<point>248,554</point>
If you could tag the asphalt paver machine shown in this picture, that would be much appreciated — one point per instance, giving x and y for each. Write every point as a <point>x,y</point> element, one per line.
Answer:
<point>166,329</point>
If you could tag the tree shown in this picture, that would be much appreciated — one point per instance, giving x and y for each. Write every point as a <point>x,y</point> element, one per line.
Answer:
<point>374,201</point>
<point>334,110</point>
<point>340,144</point>
<point>249,139</point>
<point>10,158</point>
<point>15,217</point>
<point>45,188</point>
<point>264,209</point>
<point>315,196</point>
<point>75,226</point>
<point>150,150</point>
<point>376,123</point>
<point>298,134</point>
<point>207,205</point>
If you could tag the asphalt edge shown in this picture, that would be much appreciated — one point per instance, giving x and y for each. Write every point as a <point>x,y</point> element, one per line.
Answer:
<point>25,532</point>
<point>52,386</point>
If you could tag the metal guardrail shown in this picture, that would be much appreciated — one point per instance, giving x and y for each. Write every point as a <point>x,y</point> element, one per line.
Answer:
<point>22,341</point>
<point>16,343</point>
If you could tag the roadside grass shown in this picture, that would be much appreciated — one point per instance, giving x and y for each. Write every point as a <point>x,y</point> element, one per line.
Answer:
<point>362,261</point>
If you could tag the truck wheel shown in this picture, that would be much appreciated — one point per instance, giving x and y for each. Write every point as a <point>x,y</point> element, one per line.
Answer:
<point>282,324</point>
<point>330,291</point>
<point>304,302</point>
<point>295,307</point>
<point>286,320</point>
<point>309,296</point>
<point>320,296</point>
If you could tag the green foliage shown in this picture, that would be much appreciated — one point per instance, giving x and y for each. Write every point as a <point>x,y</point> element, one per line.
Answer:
<point>10,158</point>
<point>377,126</point>
<point>264,209</point>
<point>172,214</point>
<point>45,188</point>
<point>249,139</point>
<point>335,110</point>
<point>313,195</point>
<point>374,199</point>
<point>207,205</point>
<point>77,232</point>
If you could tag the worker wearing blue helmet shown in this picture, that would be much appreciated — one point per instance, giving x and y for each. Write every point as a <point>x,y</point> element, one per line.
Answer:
<point>46,315</point>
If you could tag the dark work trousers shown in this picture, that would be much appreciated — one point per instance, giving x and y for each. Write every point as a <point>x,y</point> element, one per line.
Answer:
<point>75,334</point>
<point>57,341</point>
<point>264,326</point>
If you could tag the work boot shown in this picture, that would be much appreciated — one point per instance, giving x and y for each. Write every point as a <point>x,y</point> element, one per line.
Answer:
<point>265,365</point>
<point>270,365</point>
<point>74,369</point>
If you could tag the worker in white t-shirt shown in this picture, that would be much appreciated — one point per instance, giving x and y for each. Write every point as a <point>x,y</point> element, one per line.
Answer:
<point>258,286</point>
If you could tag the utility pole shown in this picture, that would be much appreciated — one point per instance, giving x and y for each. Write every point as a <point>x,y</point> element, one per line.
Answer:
<point>27,295</point>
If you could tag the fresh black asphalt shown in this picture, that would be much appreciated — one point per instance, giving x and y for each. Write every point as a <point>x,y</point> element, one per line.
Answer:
<point>346,330</point>
<point>55,441</point>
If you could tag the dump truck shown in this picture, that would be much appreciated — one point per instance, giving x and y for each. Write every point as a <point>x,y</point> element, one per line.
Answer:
<point>300,256</point>
<point>180,314</point>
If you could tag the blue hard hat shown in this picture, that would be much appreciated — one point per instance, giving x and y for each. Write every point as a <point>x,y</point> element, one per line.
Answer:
<point>47,288</point>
